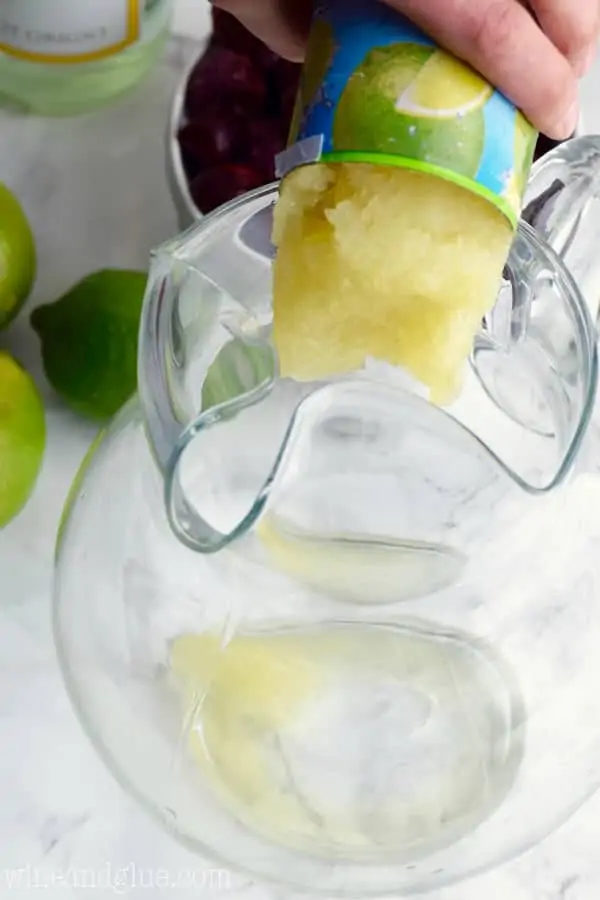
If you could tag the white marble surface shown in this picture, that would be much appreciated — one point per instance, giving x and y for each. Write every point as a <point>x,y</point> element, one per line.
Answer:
<point>96,193</point>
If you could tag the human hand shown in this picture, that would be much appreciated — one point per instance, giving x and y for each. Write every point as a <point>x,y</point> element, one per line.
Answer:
<point>534,54</point>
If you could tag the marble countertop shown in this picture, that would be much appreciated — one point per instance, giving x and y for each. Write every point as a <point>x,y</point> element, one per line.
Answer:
<point>96,192</point>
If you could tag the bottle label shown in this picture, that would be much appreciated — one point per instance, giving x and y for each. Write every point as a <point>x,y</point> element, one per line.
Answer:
<point>376,89</point>
<point>69,31</point>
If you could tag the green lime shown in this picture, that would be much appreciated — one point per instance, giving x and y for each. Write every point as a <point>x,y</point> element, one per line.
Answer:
<point>89,341</point>
<point>396,102</point>
<point>22,437</point>
<point>17,256</point>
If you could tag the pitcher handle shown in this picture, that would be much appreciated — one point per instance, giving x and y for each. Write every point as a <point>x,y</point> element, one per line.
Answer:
<point>562,203</point>
<point>192,529</point>
<point>240,375</point>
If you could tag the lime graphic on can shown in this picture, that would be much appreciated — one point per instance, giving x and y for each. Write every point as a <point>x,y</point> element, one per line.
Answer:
<point>417,102</point>
<point>376,89</point>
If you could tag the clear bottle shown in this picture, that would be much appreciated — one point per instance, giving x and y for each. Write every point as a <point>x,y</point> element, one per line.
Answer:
<point>62,57</point>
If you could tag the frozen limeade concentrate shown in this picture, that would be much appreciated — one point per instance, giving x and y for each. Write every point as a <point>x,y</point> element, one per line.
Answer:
<point>402,187</point>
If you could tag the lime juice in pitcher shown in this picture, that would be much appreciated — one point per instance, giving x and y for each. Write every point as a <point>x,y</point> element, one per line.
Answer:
<point>402,189</point>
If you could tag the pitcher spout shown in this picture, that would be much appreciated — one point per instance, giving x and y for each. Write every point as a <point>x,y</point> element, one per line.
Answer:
<point>234,441</point>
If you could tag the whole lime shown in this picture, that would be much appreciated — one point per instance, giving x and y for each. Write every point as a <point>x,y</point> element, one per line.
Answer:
<point>89,341</point>
<point>22,437</point>
<point>17,256</point>
<point>389,106</point>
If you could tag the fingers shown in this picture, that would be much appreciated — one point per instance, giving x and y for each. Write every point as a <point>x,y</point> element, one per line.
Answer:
<point>572,27</point>
<point>535,63</point>
<point>282,26</point>
<point>502,40</point>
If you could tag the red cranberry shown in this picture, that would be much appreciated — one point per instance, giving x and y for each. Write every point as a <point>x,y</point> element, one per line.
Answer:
<point>216,186</point>
<point>214,139</point>
<point>263,141</point>
<point>224,77</point>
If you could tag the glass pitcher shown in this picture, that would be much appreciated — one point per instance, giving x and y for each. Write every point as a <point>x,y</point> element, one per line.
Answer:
<point>330,634</point>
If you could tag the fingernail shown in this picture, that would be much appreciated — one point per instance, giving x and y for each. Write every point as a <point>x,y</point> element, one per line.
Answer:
<point>567,124</point>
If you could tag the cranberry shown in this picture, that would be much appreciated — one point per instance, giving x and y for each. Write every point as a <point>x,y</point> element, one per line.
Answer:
<point>214,139</point>
<point>263,141</point>
<point>216,186</point>
<point>227,78</point>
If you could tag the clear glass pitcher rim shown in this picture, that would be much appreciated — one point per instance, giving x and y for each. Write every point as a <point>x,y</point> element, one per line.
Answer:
<point>184,249</point>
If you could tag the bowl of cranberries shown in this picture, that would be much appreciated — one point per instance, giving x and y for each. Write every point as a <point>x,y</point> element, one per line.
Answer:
<point>231,116</point>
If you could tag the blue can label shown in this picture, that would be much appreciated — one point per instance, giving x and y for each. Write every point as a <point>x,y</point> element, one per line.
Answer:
<point>376,89</point>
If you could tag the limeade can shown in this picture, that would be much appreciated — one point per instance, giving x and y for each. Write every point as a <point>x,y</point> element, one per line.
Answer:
<point>376,89</point>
